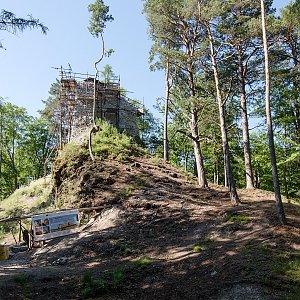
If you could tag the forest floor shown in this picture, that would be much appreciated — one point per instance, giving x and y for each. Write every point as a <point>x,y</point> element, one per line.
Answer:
<point>161,237</point>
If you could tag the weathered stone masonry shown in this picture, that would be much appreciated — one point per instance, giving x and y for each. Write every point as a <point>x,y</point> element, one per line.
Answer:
<point>76,106</point>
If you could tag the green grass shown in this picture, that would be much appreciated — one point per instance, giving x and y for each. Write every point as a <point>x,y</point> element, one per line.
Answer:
<point>28,199</point>
<point>156,160</point>
<point>31,199</point>
<point>237,219</point>
<point>112,281</point>
<point>124,248</point>
<point>70,154</point>
<point>142,262</point>
<point>139,181</point>
<point>198,248</point>
<point>90,286</point>
<point>109,142</point>
<point>287,266</point>
<point>124,193</point>
<point>23,280</point>
<point>278,270</point>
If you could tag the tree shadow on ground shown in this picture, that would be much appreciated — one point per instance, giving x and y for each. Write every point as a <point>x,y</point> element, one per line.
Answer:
<point>195,248</point>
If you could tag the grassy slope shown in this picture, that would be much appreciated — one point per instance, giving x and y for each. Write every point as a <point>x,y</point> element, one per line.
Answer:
<point>27,199</point>
<point>271,258</point>
<point>31,199</point>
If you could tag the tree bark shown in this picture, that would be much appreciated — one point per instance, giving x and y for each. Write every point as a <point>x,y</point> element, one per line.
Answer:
<point>279,205</point>
<point>257,178</point>
<point>295,103</point>
<point>285,181</point>
<point>225,172</point>
<point>231,184</point>
<point>166,141</point>
<point>245,126</point>
<point>186,157</point>
<point>1,151</point>
<point>202,181</point>
<point>95,128</point>
<point>60,125</point>
<point>11,155</point>
<point>190,43</point>
<point>216,172</point>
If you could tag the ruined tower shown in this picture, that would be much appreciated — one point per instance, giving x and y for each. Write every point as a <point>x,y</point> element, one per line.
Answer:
<point>76,99</point>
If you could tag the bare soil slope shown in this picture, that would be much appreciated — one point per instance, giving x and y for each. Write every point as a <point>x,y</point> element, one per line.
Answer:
<point>160,237</point>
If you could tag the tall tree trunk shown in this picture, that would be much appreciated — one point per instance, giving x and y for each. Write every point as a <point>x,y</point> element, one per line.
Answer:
<point>216,167</point>
<point>257,178</point>
<point>245,126</point>
<point>166,141</point>
<point>202,181</point>
<point>225,172</point>
<point>285,181</point>
<point>295,101</point>
<point>11,156</point>
<point>216,172</point>
<point>186,157</point>
<point>60,124</point>
<point>13,163</point>
<point>279,205</point>
<point>1,153</point>
<point>96,128</point>
<point>231,184</point>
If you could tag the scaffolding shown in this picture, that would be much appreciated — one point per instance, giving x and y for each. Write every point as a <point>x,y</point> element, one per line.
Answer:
<point>76,100</point>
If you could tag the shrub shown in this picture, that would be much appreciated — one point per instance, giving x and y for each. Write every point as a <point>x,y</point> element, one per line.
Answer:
<point>111,143</point>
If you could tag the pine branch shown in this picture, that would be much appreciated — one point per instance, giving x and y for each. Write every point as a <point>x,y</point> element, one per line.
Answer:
<point>9,22</point>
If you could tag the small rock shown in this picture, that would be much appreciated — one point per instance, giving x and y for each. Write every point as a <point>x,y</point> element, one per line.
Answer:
<point>213,274</point>
<point>114,172</point>
<point>136,165</point>
<point>60,261</point>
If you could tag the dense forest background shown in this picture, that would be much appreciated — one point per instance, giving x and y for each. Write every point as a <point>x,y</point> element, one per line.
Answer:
<point>214,61</point>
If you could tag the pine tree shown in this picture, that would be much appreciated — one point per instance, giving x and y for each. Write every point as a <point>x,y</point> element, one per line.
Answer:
<point>279,205</point>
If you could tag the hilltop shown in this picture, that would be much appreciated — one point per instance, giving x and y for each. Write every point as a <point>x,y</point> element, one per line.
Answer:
<point>160,236</point>
<point>156,234</point>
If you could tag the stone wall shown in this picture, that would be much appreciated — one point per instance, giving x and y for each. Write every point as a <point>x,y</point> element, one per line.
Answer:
<point>110,106</point>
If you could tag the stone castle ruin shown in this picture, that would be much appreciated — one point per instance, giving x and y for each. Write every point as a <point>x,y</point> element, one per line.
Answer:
<point>75,111</point>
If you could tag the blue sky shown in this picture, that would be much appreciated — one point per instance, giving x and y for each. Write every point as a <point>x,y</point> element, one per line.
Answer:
<point>26,71</point>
